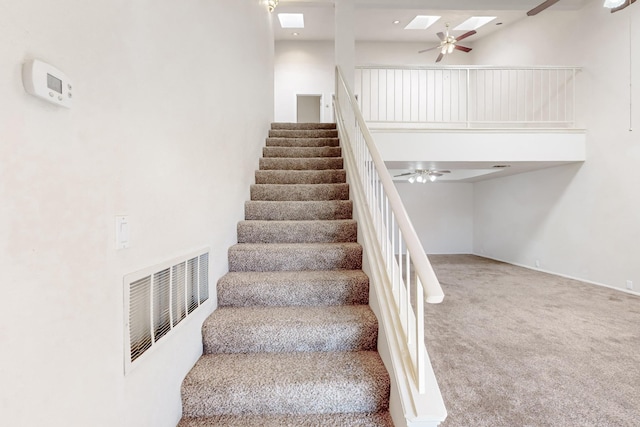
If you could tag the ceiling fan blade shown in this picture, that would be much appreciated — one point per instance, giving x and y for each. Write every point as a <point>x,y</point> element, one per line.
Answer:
<point>427,50</point>
<point>441,171</point>
<point>404,174</point>
<point>465,35</point>
<point>440,35</point>
<point>462,48</point>
<point>625,4</point>
<point>440,57</point>
<point>542,7</point>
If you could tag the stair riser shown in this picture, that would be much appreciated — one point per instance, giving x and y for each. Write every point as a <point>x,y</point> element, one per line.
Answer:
<point>352,328</point>
<point>314,192</point>
<point>302,339</point>
<point>299,126</point>
<point>296,384</point>
<point>297,231</point>
<point>301,177</point>
<point>273,258</point>
<point>316,163</point>
<point>295,399</point>
<point>302,142</point>
<point>269,291</point>
<point>301,152</point>
<point>316,133</point>
<point>381,419</point>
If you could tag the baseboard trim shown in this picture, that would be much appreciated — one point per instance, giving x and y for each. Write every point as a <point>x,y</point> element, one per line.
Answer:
<point>566,276</point>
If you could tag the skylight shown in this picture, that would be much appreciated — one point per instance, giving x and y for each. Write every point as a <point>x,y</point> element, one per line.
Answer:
<point>474,23</point>
<point>291,20</point>
<point>421,22</point>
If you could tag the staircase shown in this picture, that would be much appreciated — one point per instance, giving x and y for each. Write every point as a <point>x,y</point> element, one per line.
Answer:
<point>293,342</point>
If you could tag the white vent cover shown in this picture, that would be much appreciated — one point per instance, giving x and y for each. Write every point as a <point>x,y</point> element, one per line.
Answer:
<point>158,298</point>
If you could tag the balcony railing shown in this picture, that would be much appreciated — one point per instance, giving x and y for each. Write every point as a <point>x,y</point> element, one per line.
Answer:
<point>468,97</point>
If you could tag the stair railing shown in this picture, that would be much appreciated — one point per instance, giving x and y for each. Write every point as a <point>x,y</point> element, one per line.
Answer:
<point>398,258</point>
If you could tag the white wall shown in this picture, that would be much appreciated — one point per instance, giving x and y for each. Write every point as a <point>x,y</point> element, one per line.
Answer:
<point>307,68</point>
<point>405,53</point>
<point>577,222</point>
<point>441,214</point>
<point>172,102</point>
<point>304,68</point>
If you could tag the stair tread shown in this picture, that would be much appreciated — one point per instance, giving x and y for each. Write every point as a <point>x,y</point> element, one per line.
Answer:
<point>299,192</point>
<point>303,125</point>
<point>287,329</point>
<point>301,152</point>
<point>306,382</point>
<point>295,163</point>
<point>288,288</point>
<point>295,256</point>
<point>304,133</point>
<point>301,142</point>
<point>323,176</point>
<point>318,231</point>
<point>298,209</point>
<point>292,246</point>
<point>378,419</point>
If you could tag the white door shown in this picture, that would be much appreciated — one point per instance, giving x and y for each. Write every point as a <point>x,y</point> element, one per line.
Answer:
<point>308,108</point>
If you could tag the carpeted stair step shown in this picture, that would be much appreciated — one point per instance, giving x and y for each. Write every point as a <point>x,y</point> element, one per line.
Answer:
<point>290,329</point>
<point>378,419</point>
<point>300,192</point>
<point>302,126</point>
<point>298,210</point>
<point>330,176</point>
<point>295,256</point>
<point>305,133</point>
<point>311,163</point>
<point>302,142</point>
<point>286,383</point>
<point>302,152</point>
<point>293,288</point>
<point>328,231</point>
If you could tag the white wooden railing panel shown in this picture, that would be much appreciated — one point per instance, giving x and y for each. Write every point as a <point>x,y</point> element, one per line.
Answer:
<point>469,97</point>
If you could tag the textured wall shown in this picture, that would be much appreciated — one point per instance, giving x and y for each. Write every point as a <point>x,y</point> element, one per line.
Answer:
<point>172,103</point>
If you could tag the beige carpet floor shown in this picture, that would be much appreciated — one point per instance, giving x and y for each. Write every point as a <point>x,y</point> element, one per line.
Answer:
<point>515,347</point>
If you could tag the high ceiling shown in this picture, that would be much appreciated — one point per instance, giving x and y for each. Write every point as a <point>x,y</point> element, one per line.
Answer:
<point>374,18</point>
<point>375,22</point>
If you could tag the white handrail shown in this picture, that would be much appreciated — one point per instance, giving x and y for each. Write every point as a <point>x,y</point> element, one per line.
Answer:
<point>408,270</point>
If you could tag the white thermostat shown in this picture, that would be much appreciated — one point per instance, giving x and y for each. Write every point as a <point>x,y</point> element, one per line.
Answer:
<point>47,82</point>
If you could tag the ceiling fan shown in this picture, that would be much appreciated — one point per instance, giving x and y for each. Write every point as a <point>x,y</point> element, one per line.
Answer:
<point>448,43</point>
<point>614,5</point>
<point>422,175</point>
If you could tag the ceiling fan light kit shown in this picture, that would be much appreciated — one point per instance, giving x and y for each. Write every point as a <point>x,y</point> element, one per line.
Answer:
<point>423,175</point>
<point>271,4</point>
<point>448,43</point>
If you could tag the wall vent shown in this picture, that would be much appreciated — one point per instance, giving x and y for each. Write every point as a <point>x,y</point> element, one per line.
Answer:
<point>158,298</point>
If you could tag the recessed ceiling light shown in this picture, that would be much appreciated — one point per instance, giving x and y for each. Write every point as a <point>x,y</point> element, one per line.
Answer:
<point>295,34</point>
<point>291,20</point>
<point>474,23</point>
<point>421,22</point>
<point>396,22</point>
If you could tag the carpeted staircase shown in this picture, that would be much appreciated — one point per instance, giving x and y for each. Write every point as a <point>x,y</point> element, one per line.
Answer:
<point>293,342</point>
